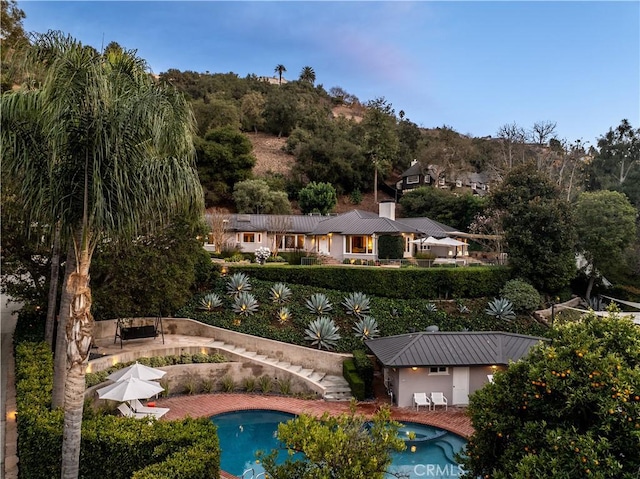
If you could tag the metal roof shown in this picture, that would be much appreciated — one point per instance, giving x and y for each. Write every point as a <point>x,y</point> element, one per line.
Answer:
<point>451,348</point>
<point>428,226</point>
<point>291,223</point>
<point>358,222</point>
<point>355,222</point>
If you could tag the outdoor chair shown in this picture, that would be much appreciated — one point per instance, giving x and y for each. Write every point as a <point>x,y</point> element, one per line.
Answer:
<point>421,399</point>
<point>126,411</point>
<point>138,407</point>
<point>438,399</point>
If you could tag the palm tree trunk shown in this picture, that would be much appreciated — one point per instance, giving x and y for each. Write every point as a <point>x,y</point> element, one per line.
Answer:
<point>79,338</point>
<point>60,358</point>
<point>53,288</point>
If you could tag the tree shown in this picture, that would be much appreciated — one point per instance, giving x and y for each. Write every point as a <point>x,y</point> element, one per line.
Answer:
<point>538,228</point>
<point>224,158</point>
<point>380,138</point>
<point>281,111</point>
<point>218,223</point>
<point>542,132</point>
<point>121,162</point>
<point>307,75</point>
<point>347,446</point>
<point>570,409</point>
<point>457,211</point>
<point>617,163</point>
<point>11,35</point>
<point>606,227</point>
<point>279,225</point>
<point>280,69</point>
<point>512,136</point>
<point>255,196</point>
<point>251,110</point>
<point>317,198</point>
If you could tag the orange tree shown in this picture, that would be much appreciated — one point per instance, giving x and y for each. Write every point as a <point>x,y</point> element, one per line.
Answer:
<point>571,409</point>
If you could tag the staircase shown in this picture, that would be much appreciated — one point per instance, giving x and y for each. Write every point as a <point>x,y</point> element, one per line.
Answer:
<point>335,388</point>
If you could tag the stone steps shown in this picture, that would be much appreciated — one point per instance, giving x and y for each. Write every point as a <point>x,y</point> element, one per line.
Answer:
<point>335,387</point>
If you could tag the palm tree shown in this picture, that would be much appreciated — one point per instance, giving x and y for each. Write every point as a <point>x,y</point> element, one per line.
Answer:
<point>280,69</point>
<point>120,162</point>
<point>308,75</point>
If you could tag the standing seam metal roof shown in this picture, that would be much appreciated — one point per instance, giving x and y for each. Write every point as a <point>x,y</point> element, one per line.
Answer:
<point>451,348</point>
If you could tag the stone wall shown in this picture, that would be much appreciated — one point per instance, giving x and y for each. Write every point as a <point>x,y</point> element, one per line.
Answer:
<point>308,358</point>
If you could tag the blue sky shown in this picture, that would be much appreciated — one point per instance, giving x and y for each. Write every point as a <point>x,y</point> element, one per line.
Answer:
<point>473,66</point>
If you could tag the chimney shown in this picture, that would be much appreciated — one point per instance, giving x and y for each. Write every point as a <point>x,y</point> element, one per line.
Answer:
<point>387,209</point>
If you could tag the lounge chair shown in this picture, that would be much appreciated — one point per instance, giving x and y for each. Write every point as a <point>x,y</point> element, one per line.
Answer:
<point>158,412</point>
<point>421,399</point>
<point>438,399</point>
<point>126,411</point>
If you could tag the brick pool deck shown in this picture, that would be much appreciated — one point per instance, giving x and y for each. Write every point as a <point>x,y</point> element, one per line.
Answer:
<point>206,405</point>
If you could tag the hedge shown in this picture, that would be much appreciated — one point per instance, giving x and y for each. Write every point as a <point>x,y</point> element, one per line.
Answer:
<point>353,378</point>
<point>390,247</point>
<point>401,283</point>
<point>364,367</point>
<point>114,447</point>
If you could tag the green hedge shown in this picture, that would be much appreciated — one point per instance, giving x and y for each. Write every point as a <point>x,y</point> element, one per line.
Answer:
<point>390,247</point>
<point>409,283</point>
<point>353,378</point>
<point>113,447</point>
<point>364,367</point>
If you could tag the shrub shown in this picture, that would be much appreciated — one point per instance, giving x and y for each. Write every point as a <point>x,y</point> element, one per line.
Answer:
<point>522,295</point>
<point>262,253</point>
<point>112,446</point>
<point>390,247</point>
<point>227,384</point>
<point>501,309</point>
<point>265,383</point>
<point>284,386</point>
<point>366,328</point>
<point>323,332</point>
<point>364,367</point>
<point>249,384</point>
<point>353,378</point>
<point>357,304</point>
<point>399,283</point>
<point>319,304</point>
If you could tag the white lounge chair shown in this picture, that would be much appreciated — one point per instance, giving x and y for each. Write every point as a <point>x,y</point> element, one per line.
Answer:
<point>126,411</point>
<point>138,407</point>
<point>421,399</point>
<point>438,399</point>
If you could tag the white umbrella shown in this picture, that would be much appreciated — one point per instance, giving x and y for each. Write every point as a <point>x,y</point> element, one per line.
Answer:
<point>450,242</point>
<point>430,240</point>
<point>128,389</point>
<point>137,370</point>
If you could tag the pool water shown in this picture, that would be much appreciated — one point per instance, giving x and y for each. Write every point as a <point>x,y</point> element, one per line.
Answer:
<point>430,451</point>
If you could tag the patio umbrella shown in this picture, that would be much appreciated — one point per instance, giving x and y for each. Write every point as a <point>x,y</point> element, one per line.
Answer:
<point>430,240</point>
<point>450,242</point>
<point>128,389</point>
<point>137,370</point>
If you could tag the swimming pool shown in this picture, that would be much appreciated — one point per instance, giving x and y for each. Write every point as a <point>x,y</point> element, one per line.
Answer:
<point>430,451</point>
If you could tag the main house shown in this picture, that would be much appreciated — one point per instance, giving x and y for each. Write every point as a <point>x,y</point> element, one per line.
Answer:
<point>454,363</point>
<point>353,236</point>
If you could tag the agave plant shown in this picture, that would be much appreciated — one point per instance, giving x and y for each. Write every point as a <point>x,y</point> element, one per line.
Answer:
<point>462,308</point>
<point>596,303</point>
<point>210,302</point>
<point>245,304</point>
<point>319,304</point>
<point>238,283</point>
<point>431,308</point>
<point>323,332</point>
<point>366,328</point>
<point>284,315</point>
<point>280,293</point>
<point>357,304</point>
<point>501,309</point>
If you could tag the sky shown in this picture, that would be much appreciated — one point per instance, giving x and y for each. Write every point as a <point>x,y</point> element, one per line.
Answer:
<point>473,66</point>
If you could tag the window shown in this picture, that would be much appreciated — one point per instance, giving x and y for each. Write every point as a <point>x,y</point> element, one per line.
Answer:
<point>359,244</point>
<point>427,179</point>
<point>413,179</point>
<point>441,182</point>
<point>425,247</point>
<point>474,186</point>
<point>438,370</point>
<point>458,183</point>
<point>248,238</point>
<point>291,241</point>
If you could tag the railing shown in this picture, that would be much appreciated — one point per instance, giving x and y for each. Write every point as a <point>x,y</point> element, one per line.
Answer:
<point>310,261</point>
